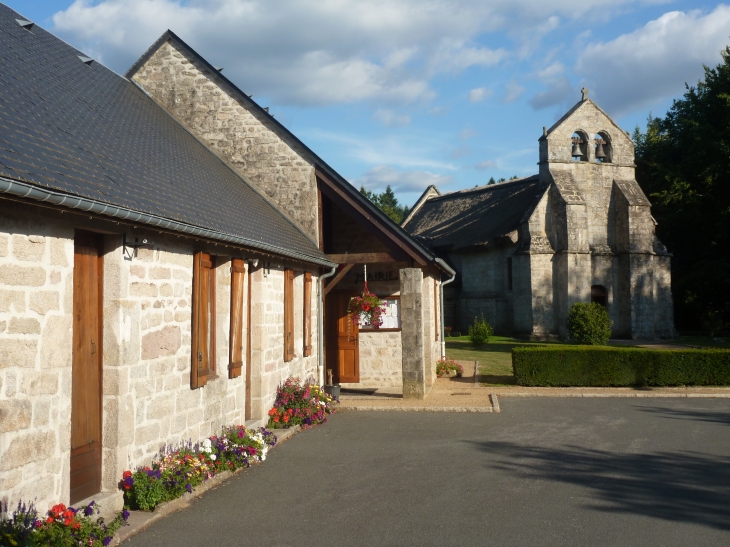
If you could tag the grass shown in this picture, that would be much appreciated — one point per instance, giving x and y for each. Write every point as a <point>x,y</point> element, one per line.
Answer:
<point>495,358</point>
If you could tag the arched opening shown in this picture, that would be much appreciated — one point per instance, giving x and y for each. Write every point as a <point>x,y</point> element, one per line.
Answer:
<point>579,146</point>
<point>599,295</point>
<point>602,147</point>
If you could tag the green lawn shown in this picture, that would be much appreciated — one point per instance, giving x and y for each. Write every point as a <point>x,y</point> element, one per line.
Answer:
<point>495,358</point>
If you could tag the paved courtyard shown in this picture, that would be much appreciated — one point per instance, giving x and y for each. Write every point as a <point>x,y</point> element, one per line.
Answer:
<point>545,471</point>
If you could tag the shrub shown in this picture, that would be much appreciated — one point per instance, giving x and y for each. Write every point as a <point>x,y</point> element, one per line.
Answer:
<point>62,527</point>
<point>608,366</point>
<point>296,404</point>
<point>589,324</point>
<point>446,365</point>
<point>480,331</point>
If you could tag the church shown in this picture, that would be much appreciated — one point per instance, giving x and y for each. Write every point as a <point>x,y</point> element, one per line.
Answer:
<point>580,230</point>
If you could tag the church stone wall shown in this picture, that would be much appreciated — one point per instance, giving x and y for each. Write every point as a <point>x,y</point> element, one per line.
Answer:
<point>245,137</point>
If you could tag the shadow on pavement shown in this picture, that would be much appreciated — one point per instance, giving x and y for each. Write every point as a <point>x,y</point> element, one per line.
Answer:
<point>682,486</point>
<point>692,415</point>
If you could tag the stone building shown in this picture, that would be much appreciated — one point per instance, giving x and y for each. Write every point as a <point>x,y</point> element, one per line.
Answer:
<point>157,283</point>
<point>345,225</point>
<point>580,230</point>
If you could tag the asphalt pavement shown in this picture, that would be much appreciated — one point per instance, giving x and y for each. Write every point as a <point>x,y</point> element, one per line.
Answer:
<point>546,471</point>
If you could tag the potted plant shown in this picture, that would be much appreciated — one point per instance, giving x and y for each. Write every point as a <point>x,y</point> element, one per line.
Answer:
<point>367,307</point>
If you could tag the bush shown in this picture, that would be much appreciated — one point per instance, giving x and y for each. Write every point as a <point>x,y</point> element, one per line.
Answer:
<point>296,404</point>
<point>608,366</point>
<point>589,324</point>
<point>62,527</point>
<point>480,331</point>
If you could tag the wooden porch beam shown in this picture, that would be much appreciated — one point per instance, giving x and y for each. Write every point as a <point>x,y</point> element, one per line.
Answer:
<point>361,258</point>
<point>338,278</point>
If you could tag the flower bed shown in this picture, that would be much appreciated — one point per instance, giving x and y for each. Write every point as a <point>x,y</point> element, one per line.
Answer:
<point>296,404</point>
<point>62,527</point>
<point>180,470</point>
<point>448,367</point>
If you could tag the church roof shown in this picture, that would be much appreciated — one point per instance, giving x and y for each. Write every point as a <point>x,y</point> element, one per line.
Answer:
<point>73,129</point>
<point>475,217</point>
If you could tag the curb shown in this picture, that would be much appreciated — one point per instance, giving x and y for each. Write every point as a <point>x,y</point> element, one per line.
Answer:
<point>663,395</point>
<point>141,520</point>
<point>416,409</point>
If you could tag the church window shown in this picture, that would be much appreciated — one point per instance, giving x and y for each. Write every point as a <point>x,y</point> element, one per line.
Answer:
<point>602,148</point>
<point>579,146</point>
<point>599,295</point>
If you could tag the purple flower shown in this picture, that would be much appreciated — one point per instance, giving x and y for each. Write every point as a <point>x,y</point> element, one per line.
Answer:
<point>189,488</point>
<point>89,509</point>
<point>107,541</point>
<point>125,515</point>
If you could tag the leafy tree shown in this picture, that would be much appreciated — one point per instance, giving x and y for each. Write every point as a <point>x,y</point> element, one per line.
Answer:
<point>683,164</point>
<point>388,203</point>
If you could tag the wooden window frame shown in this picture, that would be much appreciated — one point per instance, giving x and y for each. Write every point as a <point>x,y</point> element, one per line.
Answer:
<point>307,315</point>
<point>203,266</point>
<point>238,289</point>
<point>288,315</point>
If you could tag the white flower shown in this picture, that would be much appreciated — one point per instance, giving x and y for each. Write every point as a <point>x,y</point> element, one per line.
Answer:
<point>213,457</point>
<point>206,446</point>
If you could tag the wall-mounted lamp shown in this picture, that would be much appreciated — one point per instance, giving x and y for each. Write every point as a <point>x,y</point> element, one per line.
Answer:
<point>126,245</point>
<point>254,262</point>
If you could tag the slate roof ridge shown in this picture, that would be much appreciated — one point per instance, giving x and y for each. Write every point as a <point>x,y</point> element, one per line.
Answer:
<point>486,187</point>
<point>320,163</point>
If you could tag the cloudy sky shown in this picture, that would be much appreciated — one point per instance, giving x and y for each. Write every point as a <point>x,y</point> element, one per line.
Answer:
<point>417,92</point>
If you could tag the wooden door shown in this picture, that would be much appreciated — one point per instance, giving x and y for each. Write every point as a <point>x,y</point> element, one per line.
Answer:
<point>86,367</point>
<point>343,355</point>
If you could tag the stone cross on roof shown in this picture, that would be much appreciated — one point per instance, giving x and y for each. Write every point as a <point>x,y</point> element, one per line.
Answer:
<point>584,93</point>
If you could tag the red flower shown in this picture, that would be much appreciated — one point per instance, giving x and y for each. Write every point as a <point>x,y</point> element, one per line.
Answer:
<point>126,474</point>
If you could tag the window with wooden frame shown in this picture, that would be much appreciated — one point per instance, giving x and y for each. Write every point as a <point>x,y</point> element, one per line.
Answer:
<point>307,319</point>
<point>288,315</point>
<point>235,348</point>
<point>203,321</point>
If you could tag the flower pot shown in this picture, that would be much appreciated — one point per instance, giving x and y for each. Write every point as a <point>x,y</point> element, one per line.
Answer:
<point>333,391</point>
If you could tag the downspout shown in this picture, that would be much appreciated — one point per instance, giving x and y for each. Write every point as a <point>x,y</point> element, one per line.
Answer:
<point>448,269</point>
<point>320,331</point>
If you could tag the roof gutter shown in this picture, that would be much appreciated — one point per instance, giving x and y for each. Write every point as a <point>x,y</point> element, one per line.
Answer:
<point>450,271</point>
<point>87,205</point>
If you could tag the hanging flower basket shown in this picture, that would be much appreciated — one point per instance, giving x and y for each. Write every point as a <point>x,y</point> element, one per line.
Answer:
<point>368,307</point>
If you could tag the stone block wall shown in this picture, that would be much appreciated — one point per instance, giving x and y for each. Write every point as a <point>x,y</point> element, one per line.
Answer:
<point>381,360</point>
<point>246,138</point>
<point>147,399</point>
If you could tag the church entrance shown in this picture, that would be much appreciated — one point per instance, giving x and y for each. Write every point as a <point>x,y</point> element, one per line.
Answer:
<point>599,295</point>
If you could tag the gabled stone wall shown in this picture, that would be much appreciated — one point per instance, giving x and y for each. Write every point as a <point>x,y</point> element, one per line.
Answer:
<point>242,135</point>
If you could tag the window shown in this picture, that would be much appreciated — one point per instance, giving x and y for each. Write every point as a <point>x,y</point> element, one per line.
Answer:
<point>509,273</point>
<point>203,327</point>
<point>391,317</point>
<point>307,320</point>
<point>235,348</point>
<point>599,295</point>
<point>288,315</point>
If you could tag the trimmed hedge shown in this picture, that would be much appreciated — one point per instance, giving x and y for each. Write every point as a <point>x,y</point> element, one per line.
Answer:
<point>611,366</point>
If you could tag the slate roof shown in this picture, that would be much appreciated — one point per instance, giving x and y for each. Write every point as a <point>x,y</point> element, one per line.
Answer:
<point>373,213</point>
<point>83,130</point>
<point>476,217</point>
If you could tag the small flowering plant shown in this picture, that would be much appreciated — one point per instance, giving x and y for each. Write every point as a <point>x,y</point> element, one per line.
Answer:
<point>367,308</point>
<point>180,469</point>
<point>446,366</point>
<point>296,404</point>
<point>62,527</point>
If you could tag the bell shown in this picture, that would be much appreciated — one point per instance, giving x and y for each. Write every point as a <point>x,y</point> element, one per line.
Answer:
<point>600,154</point>
<point>577,152</point>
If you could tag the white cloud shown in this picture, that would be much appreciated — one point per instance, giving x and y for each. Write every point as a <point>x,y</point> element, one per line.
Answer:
<point>466,134</point>
<point>479,94</point>
<point>338,51</point>
<point>559,88</point>
<point>390,118</point>
<point>439,110</point>
<point>484,165</point>
<point>652,63</point>
<point>512,92</point>
<point>382,176</point>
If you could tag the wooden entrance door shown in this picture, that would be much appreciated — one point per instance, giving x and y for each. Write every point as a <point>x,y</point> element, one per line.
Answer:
<point>86,368</point>
<point>343,355</point>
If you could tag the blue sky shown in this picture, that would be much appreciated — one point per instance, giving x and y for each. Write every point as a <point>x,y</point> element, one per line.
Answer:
<point>419,92</point>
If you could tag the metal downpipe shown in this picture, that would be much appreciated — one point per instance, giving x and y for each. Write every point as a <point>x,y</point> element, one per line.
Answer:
<point>448,269</point>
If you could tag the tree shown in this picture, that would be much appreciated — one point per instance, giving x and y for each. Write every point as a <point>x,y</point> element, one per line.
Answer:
<point>683,165</point>
<point>492,181</point>
<point>388,203</point>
